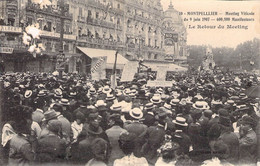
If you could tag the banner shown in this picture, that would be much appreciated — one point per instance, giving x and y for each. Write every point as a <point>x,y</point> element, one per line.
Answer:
<point>98,68</point>
<point>129,71</point>
<point>159,83</point>
<point>161,73</point>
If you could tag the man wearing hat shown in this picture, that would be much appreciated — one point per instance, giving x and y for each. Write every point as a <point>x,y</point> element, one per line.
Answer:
<point>136,127</point>
<point>51,148</point>
<point>180,136</point>
<point>66,125</point>
<point>155,137</point>
<point>149,117</point>
<point>113,134</point>
<point>247,141</point>
<point>81,151</point>
<point>103,112</point>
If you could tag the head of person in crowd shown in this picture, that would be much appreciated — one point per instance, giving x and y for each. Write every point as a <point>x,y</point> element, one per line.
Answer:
<point>180,123</point>
<point>247,124</point>
<point>39,103</point>
<point>136,114</point>
<point>126,142</point>
<point>220,150</point>
<point>80,117</point>
<point>22,118</point>
<point>94,120</point>
<point>99,148</point>
<point>54,126</point>
<point>169,151</point>
<point>115,120</point>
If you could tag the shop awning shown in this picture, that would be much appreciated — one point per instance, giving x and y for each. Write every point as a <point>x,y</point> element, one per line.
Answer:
<point>110,54</point>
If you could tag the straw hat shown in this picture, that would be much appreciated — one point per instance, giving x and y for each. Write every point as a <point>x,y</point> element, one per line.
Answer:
<point>27,94</point>
<point>201,105</point>
<point>106,89</point>
<point>156,99</point>
<point>41,93</point>
<point>174,102</point>
<point>180,121</point>
<point>100,103</point>
<point>110,97</point>
<point>136,113</point>
<point>116,107</point>
<point>64,102</point>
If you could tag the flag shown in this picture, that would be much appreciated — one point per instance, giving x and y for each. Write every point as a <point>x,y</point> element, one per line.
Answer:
<point>113,76</point>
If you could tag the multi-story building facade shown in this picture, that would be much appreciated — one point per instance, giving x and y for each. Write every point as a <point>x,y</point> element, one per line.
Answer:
<point>18,15</point>
<point>175,37</point>
<point>136,28</point>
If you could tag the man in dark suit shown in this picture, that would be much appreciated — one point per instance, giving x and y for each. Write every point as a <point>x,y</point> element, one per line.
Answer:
<point>247,141</point>
<point>135,126</point>
<point>154,139</point>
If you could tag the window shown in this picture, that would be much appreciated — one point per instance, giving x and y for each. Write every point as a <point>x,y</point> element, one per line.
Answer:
<point>48,46</point>
<point>10,37</point>
<point>40,24</point>
<point>149,42</point>
<point>149,55</point>
<point>67,29</point>
<point>48,26</point>
<point>142,14</point>
<point>58,27</point>
<point>118,21</point>
<point>155,43</point>
<point>97,14</point>
<point>66,47</point>
<point>29,20</point>
<point>89,13</point>
<point>57,46</point>
<point>80,11</point>
<point>118,5</point>
<point>11,21</point>
<point>155,56</point>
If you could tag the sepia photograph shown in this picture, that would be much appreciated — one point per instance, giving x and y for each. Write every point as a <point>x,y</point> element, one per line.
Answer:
<point>129,83</point>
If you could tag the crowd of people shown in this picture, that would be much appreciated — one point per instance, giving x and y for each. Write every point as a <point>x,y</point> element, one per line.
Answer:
<point>200,119</point>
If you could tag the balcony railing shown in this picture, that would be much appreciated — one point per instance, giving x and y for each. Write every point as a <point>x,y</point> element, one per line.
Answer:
<point>57,35</point>
<point>106,42</point>
<point>10,29</point>
<point>102,23</point>
<point>49,10</point>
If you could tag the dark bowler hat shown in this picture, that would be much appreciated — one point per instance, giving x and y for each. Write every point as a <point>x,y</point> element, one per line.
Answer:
<point>50,114</point>
<point>247,120</point>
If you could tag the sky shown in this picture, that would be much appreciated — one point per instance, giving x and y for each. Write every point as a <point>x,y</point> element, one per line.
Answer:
<point>218,37</point>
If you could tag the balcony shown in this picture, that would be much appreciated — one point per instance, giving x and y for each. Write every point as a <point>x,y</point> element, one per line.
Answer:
<point>102,23</point>
<point>100,42</point>
<point>57,35</point>
<point>10,29</point>
<point>12,5</point>
<point>49,10</point>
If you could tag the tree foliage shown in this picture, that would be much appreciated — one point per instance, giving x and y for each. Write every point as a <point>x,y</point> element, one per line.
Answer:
<point>245,56</point>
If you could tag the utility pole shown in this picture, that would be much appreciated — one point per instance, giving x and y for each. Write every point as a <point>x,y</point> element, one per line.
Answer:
<point>61,56</point>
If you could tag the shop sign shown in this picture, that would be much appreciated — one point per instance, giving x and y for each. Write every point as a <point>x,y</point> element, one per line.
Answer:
<point>10,29</point>
<point>6,50</point>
